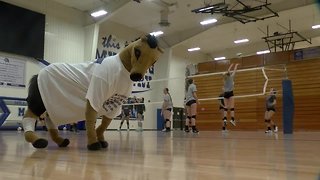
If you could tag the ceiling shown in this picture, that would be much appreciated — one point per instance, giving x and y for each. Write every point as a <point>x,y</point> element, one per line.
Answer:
<point>214,40</point>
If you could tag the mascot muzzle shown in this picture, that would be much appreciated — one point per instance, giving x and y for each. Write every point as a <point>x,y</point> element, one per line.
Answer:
<point>144,53</point>
<point>136,76</point>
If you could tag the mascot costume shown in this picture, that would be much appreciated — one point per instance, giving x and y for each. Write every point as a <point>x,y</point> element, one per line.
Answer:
<point>71,92</point>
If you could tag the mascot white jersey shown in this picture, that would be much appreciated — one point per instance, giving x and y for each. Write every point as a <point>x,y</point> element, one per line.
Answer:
<point>106,86</point>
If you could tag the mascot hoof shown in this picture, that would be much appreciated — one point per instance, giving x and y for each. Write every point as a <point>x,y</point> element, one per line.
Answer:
<point>65,143</point>
<point>94,147</point>
<point>104,144</point>
<point>40,143</point>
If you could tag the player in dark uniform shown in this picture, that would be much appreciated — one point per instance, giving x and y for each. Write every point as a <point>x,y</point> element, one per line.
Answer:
<point>270,110</point>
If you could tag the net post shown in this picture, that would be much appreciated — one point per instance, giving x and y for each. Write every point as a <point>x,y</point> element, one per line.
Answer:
<point>266,82</point>
<point>285,72</point>
<point>287,107</point>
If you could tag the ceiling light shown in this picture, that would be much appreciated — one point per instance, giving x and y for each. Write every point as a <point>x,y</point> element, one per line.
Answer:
<point>194,49</point>
<point>99,13</point>
<point>156,33</point>
<point>241,41</point>
<point>263,52</point>
<point>219,58</point>
<point>208,21</point>
<point>316,26</point>
<point>206,8</point>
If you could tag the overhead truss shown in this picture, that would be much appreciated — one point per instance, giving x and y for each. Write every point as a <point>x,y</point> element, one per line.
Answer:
<point>239,11</point>
<point>279,41</point>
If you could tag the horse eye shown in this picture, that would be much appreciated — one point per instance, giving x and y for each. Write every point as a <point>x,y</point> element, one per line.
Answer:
<point>137,53</point>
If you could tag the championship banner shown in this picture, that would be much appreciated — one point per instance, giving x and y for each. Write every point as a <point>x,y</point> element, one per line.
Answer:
<point>110,45</point>
<point>12,72</point>
<point>307,53</point>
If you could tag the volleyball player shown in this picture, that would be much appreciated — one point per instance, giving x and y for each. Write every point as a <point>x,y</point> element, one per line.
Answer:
<point>221,108</point>
<point>74,127</point>
<point>140,108</point>
<point>166,111</point>
<point>228,79</point>
<point>270,106</point>
<point>125,115</point>
<point>191,105</point>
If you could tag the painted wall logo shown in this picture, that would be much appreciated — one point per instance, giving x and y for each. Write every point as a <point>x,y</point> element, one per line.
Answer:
<point>110,45</point>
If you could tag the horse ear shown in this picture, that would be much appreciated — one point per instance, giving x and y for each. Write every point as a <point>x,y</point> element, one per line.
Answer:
<point>144,39</point>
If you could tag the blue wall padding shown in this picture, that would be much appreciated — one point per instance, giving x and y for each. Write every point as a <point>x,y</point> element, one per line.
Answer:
<point>288,107</point>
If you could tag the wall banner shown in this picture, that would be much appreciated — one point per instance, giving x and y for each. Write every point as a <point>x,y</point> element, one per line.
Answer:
<point>111,45</point>
<point>12,72</point>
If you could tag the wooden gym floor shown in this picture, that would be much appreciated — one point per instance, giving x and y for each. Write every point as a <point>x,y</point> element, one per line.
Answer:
<point>158,155</point>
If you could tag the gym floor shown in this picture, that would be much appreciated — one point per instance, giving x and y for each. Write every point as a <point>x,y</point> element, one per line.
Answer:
<point>159,155</point>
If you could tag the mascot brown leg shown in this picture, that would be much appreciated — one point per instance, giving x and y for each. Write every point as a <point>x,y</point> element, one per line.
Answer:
<point>53,130</point>
<point>100,131</point>
<point>57,139</point>
<point>91,116</point>
<point>136,58</point>
<point>28,122</point>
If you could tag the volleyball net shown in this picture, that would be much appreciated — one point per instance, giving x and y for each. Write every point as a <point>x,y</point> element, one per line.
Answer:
<point>249,82</point>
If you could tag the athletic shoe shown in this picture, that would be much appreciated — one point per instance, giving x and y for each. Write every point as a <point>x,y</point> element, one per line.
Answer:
<point>128,129</point>
<point>233,122</point>
<point>186,130</point>
<point>224,123</point>
<point>119,129</point>
<point>164,130</point>
<point>275,129</point>
<point>195,131</point>
<point>224,131</point>
<point>268,131</point>
<point>168,130</point>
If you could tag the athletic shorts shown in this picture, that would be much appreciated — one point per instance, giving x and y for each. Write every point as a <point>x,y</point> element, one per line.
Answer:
<point>189,103</point>
<point>271,109</point>
<point>228,94</point>
<point>169,109</point>
<point>126,113</point>
<point>34,100</point>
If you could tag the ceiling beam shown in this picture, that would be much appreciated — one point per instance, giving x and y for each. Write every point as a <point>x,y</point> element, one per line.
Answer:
<point>178,38</point>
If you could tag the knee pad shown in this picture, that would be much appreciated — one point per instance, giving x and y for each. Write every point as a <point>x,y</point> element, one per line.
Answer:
<point>189,117</point>
<point>267,120</point>
<point>232,109</point>
<point>28,124</point>
<point>225,109</point>
<point>194,116</point>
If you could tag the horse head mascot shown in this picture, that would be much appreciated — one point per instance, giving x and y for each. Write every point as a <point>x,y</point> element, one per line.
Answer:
<point>68,93</point>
